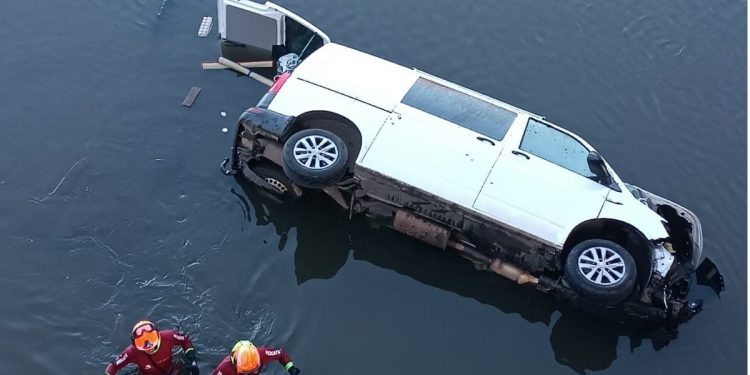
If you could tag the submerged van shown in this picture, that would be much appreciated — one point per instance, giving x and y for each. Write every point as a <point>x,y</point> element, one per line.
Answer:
<point>512,192</point>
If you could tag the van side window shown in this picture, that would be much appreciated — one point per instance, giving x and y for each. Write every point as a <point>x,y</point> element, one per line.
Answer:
<point>459,108</point>
<point>557,147</point>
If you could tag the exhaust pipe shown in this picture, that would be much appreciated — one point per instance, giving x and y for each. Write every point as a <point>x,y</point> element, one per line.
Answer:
<point>439,236</point>
<point>421,229</point>
<point>512,272</point>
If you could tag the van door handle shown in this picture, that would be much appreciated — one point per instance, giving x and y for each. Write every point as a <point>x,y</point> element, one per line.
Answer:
<point>483,139</point>
<point>516,152</point>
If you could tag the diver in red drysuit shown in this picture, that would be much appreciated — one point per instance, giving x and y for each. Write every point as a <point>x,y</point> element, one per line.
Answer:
<point>151,351</point>
<point>247,359</point>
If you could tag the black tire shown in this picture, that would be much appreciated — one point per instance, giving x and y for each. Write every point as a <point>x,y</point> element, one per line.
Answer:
<point>602,285</point>
<point>326,167</point>
<point>284,189</point>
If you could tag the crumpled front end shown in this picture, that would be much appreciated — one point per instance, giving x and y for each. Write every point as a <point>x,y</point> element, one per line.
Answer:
<point>676,260</point>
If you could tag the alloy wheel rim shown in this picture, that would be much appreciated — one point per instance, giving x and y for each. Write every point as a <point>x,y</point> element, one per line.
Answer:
<point>278,185</point>
<point>601,266</point>
<point>316,152</point>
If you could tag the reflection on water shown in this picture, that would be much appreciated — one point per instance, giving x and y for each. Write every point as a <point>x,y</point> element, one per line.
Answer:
<point>326,237</point>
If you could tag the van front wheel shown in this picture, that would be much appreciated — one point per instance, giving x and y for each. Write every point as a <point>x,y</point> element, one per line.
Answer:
<point>601,271</point>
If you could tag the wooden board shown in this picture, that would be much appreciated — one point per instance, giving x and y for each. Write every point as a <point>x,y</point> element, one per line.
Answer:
<point>190,98</point>
<point>210,65</point>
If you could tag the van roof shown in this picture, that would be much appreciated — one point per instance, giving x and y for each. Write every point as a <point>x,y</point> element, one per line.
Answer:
<point>373,80</point>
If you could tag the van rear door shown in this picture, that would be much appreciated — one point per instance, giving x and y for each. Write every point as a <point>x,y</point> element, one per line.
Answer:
<point>250,31</point>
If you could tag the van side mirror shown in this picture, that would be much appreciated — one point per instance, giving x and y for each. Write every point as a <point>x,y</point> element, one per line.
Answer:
<point>596,164</point>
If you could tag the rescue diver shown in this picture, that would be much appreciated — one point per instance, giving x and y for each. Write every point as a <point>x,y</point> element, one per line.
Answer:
<point>247,359</point>
<point>151,351</point>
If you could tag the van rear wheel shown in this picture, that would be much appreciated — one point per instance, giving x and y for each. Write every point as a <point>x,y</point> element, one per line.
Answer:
<point>315,158</point>
<point>283,187</point>
<point>601,271</point>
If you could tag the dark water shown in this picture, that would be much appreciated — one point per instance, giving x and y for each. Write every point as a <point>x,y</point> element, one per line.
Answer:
<point>113,208</point>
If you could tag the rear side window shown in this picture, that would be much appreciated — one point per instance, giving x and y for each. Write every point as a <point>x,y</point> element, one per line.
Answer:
<point>459,108</point>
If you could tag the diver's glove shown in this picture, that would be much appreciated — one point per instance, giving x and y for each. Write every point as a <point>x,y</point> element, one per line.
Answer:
<point>192,366</point>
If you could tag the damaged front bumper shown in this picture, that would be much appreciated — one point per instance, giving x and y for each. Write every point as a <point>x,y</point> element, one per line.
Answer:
<point>682,224</point>
<point>675,262</point>
<point>662,298</point>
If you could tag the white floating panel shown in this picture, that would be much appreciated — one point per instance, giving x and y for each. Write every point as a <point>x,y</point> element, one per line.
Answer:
<point>205,28</point>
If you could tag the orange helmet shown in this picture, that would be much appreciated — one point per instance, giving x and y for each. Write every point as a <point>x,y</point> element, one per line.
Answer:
<point>245,357</point>
<point>146,336</point>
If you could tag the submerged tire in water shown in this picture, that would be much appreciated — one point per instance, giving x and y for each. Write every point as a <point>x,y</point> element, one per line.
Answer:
<point>284,188</point>
<point>601,271</point>
<point>315,158</point>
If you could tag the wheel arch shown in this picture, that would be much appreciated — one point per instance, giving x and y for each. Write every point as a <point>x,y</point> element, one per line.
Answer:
<point>622,233</point>
<point>335,123</point>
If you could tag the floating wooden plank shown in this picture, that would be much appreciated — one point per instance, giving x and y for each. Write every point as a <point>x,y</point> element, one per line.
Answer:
<point>245,71</point>
<point>210,65</point>
<point>190,98</point>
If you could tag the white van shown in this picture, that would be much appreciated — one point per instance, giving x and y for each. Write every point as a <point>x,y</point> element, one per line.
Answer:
<point>512,192</point>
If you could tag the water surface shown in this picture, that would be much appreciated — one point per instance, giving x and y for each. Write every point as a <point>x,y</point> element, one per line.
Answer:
<point>114,209</point>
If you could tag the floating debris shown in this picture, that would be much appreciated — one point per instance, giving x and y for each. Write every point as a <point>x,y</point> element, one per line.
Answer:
<point>59,183</point>
<point>224,130</point>
<point>223,114</point>
<point>190,98</point>
<point>210,65</point>
<point>161,8</point>
<point>205,28</point>
<point>244,71</point>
